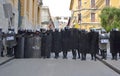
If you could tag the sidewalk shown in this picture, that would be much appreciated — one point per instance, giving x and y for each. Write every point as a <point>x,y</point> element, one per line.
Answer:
<point>4,60</point>
<point>113,64</point>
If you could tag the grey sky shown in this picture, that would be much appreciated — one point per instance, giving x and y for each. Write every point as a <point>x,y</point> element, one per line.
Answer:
<point>58,7</point>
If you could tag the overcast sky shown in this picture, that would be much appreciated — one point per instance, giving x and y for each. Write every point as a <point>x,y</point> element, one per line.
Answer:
<point>58,7</point>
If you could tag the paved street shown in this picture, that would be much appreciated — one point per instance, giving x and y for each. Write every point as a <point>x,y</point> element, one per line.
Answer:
<point>58,67</point>
<point>55,67</point>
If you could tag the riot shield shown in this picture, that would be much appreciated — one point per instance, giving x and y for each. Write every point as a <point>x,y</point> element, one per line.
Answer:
<point>19,49</point>
<point>32,47</point>
<point>0,42</point>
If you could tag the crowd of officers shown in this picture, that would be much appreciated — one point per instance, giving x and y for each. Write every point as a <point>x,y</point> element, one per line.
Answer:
<point>41,43</point>
<point>77,41</point>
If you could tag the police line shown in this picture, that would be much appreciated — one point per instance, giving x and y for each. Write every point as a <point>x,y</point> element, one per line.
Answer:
<point>28,44</point>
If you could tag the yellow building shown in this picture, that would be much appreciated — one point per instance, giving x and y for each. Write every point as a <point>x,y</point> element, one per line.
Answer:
<point>14,3</point>
<point>86,12</point>
<point>73,7</point>
<point>30,13</point>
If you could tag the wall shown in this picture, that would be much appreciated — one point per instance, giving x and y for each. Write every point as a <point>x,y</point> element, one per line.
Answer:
<point>3,20</point>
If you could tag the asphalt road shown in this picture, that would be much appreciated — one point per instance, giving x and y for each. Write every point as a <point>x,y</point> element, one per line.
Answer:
<point>55,67</point>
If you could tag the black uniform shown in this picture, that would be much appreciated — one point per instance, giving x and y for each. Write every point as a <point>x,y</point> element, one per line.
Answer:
<point>43,44</point>
<point>1,43</point>
<point>114,43</point>
<point>56,43</point>
<point>19,48</point>
<point>48,46</point>
<point>65,42</point>
<point>83,44</point>
<point>94,48</point>
<point>74,41</point>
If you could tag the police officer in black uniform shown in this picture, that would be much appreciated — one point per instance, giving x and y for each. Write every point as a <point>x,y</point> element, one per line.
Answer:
<point>94,48</point>
<point>48,46</point>
<point>56,43</point>
<point>114,43</point>
<point>65,42</point>
<point>43,43</point>
<point>1,43</point>
<point>74,41</point>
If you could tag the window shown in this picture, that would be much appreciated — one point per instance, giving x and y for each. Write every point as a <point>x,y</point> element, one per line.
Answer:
<point>92,3</point>
<point>107,2</point>
<point>79,4</point>
<point>92,17</point>
<point>79,17</point>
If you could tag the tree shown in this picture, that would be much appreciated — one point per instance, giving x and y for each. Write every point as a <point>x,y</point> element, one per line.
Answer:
<point>110,18</point>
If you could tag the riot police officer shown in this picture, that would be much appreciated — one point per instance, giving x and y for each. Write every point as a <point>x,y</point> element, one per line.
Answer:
<point>114,43</point>
<point>103,41</point>
<point>48,46</point>
<point>10,42</point>
<point>83,44</point>
<point>43,43</point>
<point>94,48</point>
<point>74,41</point>
<point>1,43</point>
<point>56,43</point>
<point>65,42</point>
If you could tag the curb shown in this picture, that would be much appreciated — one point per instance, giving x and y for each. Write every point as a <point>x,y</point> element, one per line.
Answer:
<point>6,61</point>
<point>109,65</point>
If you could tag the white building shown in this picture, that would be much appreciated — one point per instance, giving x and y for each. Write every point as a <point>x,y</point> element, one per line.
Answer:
<point>46,20</point>
<point>62,22</point>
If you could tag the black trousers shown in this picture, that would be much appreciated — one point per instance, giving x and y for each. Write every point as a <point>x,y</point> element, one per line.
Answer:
<point>83,55</point>
<point>56,54</point>
<point>104,54</point>
<point>114,56</point>
<point>74,53</point>
<point>64,54</point>
<point>93,56</point>
<point>10,51</point>
<point>78,53</point>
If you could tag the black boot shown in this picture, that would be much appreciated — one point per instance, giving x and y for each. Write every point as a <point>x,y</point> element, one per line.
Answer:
<point>64,54</point>
<point>74,53</point>
<point>78,54</point>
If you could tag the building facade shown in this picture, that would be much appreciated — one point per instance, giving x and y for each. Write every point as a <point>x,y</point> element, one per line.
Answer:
<point>30,14</point>
<point>46,19</point>
<point>86,12</point>
<point>23,14</point>
<point>11,20</point>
